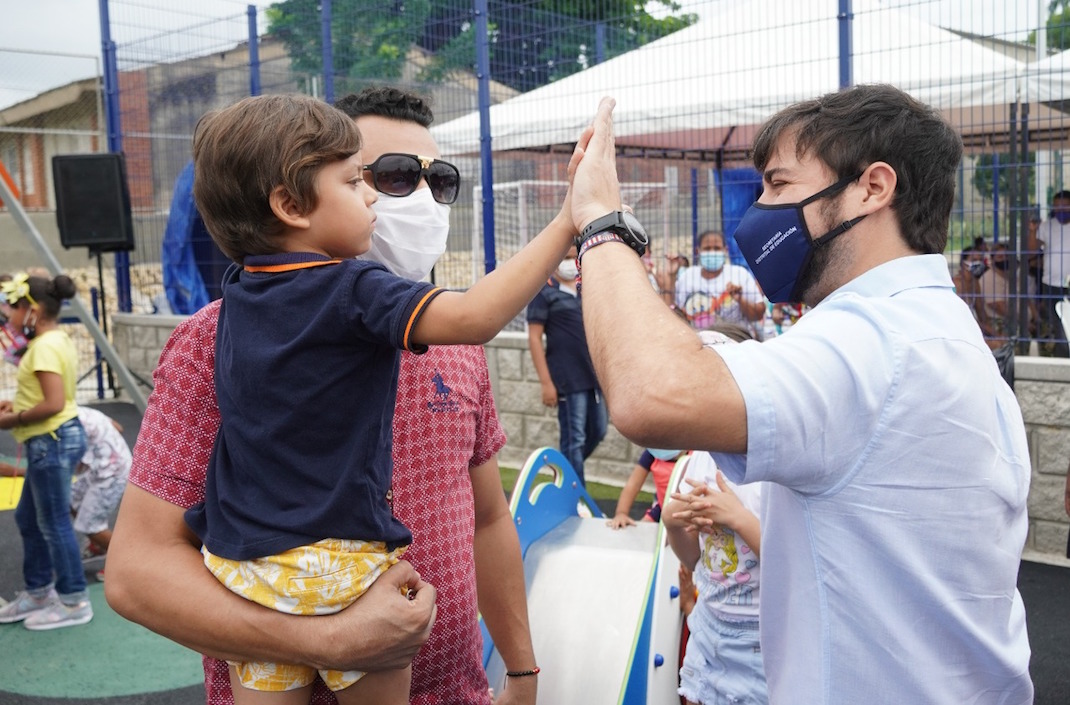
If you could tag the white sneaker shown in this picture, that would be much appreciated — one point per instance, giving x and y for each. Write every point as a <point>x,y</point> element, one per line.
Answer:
<point>58,615</point>
<point>25,605</point>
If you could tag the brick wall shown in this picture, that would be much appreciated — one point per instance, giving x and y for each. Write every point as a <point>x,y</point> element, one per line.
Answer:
<point>1042,386</point>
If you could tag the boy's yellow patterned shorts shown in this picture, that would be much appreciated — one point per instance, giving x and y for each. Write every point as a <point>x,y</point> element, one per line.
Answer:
<point>322,578</point>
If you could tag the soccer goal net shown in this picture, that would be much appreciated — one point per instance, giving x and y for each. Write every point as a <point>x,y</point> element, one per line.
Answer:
<point>523,208</point>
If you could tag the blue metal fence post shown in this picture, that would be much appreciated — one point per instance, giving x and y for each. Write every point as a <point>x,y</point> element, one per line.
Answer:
<point>328,51</point>
<point>115,140</point>
<point>845,17</point>
<point>254,52</point>
<point>485,158</point>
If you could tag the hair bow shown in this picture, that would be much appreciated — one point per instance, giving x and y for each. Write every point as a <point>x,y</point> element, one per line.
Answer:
<point>17,289</point>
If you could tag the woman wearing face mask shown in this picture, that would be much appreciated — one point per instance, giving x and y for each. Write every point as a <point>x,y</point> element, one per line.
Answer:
<point>715,290</point>
<point>995,288</point>
<point>44,418</point>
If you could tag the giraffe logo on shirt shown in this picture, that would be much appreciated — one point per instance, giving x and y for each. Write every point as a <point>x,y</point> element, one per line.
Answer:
<point>441,401</point>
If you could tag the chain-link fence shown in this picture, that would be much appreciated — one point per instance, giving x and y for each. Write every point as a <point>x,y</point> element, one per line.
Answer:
<point>692,82</point>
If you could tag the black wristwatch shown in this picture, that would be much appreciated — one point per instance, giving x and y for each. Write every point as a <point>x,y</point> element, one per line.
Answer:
<point>623,224</point>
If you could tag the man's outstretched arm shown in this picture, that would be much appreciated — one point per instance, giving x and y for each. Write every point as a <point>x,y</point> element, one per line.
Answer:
<point>632,335</point>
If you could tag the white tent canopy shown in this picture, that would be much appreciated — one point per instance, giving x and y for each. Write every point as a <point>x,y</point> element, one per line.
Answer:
<point>1047,80</point>
<point>707,87</point>
<point>1045,87</point>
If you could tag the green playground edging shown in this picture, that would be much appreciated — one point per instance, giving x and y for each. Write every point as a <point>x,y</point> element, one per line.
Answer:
<point>108,657</point>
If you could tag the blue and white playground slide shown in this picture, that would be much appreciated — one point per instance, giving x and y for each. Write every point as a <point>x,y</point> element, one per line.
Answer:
<point>603,605</point>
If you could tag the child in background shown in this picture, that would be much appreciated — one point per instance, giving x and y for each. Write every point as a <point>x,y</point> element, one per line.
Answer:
<point>714,530</point>
<point>12,341</point>
<point>654,462</point>
<point>297,513</point>
<point>563,364</point>
<point>44,418</point>
<point>100,479</point>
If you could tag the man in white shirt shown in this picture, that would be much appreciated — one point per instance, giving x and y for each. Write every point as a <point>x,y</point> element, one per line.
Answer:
<point>896,456</point>
<point>1054,233</point>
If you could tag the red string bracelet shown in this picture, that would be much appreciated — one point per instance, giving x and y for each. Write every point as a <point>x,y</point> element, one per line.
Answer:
<point>521,674</point>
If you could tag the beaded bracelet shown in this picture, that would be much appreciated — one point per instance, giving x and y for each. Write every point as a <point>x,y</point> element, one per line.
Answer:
<point>593,241</point>
<point>596,240</point>
<point>521,674</point>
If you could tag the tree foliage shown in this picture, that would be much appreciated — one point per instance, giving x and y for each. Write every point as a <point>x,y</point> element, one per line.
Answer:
<point>531,43</point>
<point>1058,26</point>
<point>368,39</point>
<point>985,170</point>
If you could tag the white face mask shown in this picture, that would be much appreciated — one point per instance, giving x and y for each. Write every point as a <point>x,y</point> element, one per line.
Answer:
<point>410,233</point>
<point>568,270</point>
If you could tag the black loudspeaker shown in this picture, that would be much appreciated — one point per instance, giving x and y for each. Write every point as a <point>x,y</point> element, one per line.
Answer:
<point>93,202</point>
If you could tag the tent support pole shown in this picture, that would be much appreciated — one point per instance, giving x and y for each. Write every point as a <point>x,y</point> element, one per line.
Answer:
<point>1021,276</point>
<point>485,154</point>
<point>845,16</point>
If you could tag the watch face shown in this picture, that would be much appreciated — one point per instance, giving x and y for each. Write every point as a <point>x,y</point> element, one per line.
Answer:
<point>635,226</point>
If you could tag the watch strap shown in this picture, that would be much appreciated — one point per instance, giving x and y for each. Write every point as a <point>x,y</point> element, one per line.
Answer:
<point>612,222</point>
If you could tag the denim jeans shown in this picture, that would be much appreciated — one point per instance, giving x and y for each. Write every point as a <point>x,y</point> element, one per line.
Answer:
<point>583,420</point>
<point>723,663</point>
<point>43,515</point>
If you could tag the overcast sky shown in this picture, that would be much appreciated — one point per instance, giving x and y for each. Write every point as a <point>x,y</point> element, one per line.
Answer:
<point>73,27</point>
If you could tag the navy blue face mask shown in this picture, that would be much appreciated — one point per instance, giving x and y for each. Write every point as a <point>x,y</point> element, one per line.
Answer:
<point>777,245</point>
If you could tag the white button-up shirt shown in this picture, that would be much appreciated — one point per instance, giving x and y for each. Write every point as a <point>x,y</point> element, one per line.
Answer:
<point>894,522</point>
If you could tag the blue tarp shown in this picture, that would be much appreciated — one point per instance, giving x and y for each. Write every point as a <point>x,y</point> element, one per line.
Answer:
<point>182,280</point>
<point>739,188</point>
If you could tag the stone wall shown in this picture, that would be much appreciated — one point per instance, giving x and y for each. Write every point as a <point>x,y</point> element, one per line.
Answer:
<point>530,425</point>
<point>1042,386</point>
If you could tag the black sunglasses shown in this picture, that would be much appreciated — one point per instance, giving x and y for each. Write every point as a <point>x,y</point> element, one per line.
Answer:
<point>399,174</point>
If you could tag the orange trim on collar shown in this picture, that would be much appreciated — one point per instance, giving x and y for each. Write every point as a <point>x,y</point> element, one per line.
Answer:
<point>274,268</point>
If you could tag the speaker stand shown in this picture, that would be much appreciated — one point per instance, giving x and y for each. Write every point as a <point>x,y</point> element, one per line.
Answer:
<point>103,321</point>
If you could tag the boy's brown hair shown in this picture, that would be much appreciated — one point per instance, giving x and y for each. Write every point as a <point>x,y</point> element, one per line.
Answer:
<point>243,152</point>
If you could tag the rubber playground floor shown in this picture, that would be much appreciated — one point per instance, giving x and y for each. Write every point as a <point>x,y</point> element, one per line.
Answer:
<point>113,662</point>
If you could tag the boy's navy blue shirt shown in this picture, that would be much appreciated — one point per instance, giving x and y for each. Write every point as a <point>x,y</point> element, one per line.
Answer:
<point>567,355</point>
<point>307,355</point>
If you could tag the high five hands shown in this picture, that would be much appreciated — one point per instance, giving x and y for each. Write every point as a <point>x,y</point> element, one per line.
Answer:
<point>592,169</point>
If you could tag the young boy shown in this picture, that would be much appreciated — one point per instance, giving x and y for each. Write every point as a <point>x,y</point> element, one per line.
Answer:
<point>100,479</point>
<point>653,462</point>
<point>297,511</point>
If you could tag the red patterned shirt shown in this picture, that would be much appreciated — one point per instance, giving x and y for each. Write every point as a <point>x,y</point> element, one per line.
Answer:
<point>445,424</point>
